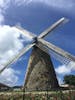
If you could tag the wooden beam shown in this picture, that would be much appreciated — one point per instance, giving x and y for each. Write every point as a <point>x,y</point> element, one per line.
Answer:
<point>51,28</point>
<point>57,50</point>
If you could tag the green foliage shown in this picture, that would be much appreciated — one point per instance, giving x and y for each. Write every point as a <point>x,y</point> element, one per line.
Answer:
<point>69,79</point>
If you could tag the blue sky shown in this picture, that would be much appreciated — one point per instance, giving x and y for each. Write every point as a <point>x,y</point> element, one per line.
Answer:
<point>35,16</point>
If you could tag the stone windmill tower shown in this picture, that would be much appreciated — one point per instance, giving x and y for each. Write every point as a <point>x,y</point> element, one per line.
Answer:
<point>40,74</point>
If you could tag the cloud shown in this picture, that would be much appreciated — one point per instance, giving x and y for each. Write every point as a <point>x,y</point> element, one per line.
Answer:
<point>65,69</point>
<point>9,77</point>
<point>1,19</point>
<point>23,2</point>
<point>60,4</point>
<point>10,43</point>
<point>71,65</point>
<point>60,81</point>
<point>4,3</point>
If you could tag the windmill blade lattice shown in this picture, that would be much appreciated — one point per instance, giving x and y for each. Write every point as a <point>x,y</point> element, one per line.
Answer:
<point>54,26</point>
<point>60,58</point>
<point>54,55</point>
<point>61,54</point>
<point>24,31</point>
<point>15,58</point>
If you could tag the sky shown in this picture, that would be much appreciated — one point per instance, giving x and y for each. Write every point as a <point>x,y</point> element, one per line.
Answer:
<point>35,16</point>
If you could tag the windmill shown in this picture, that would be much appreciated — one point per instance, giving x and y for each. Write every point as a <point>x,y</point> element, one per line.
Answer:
<point>40,73</point>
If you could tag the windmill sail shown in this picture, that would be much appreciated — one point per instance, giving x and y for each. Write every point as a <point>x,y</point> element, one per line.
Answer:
<point>60,58</point>
<point>53,54</point>
<point>51,28</point>
<point>57,51</point>
<point>24,31</point>
<point>15,58</point>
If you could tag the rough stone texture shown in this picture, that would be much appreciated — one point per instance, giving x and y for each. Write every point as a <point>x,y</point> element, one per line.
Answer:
<point>40,73</point>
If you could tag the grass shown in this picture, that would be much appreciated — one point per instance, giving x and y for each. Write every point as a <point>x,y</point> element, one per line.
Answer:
<point>47,95</point>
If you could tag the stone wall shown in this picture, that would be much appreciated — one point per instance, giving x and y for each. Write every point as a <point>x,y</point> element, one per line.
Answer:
<point>40,74</point>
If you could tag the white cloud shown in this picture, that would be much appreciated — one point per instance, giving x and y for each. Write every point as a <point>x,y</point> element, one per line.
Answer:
<point>4,3</point>
<point>1,67</point>
<point>62,4</point>
<point>60,81</point>
<point>65,69</point>
<point>9,46</point>
<point>71,65</point>
<point>9,43</point>
<point>59,4</point>
<point>9,77</point>
<point>1,19</point>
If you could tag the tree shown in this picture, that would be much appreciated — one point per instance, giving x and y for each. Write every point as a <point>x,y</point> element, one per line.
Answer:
<point>69,79</point>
